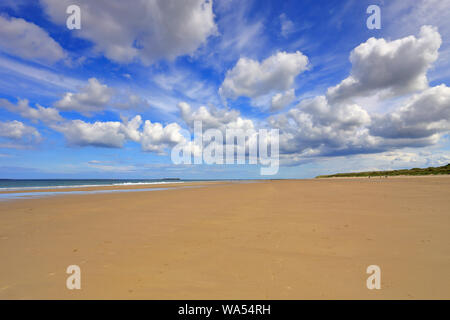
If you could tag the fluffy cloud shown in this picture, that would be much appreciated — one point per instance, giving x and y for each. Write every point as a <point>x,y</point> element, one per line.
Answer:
<point>39,113</point>
<point>329,125</point>
<point>342,116</point>
<point>423,116</point>
<point>281,100</point>
<point>28,41</point>
<point>253,79</point>
<point>131,128</point>
<point>156,137</point>
<point>214,118</point>
<point>18,132</point>
<point>334,125</point>
<point>398,66</point>
<point>222,120</point>
<point>315,128</point>
<point>99,134</point>
<point>147,30</point>
<point>92,98</point>
<point>109,134</point>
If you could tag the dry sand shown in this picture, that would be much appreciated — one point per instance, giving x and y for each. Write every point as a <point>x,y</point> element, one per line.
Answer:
<point>298,239</point>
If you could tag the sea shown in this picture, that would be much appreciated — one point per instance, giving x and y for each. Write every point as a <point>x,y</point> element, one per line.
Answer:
<point>29,184</point>
<point>35,188</point>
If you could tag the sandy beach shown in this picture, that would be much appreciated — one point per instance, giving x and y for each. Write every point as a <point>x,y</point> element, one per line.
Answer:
<point>286,239</point>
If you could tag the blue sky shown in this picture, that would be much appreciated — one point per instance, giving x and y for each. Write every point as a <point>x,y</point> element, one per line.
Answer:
<point>104,101</point>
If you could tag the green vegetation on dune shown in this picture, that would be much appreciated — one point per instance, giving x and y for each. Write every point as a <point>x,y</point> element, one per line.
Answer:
<point>402,172</point>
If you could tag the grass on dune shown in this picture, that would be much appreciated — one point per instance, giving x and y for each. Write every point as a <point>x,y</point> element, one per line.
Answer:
<point>402,172</point>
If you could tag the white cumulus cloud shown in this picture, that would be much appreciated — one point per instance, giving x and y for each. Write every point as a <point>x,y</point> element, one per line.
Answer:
<point>398,67</point>
<point>254,79</point>
<point>93,97</point>
<point>29,41</point>
<point>316,128</point>
<point>145,30</point>
<point>18,132</point>
<point>39,113</point>
<point>424,115</point>
<point>282,99</point>
<point>109,134</point>
<point>157,137</point>
<point>214,118</point>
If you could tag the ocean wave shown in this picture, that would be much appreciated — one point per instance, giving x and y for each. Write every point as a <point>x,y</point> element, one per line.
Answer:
<point>87,185</point>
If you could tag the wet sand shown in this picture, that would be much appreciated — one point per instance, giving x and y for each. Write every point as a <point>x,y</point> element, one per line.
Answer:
<point>294,239</point>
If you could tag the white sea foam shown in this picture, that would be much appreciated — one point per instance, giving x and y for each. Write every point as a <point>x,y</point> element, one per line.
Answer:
<point>88,185</point>
<point>33,195</point>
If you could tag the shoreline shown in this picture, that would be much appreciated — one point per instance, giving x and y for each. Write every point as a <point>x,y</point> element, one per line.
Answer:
<point>191,183</point>
<point>110,187</point>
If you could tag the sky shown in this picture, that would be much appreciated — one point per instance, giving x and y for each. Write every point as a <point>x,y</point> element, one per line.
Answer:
<point>111,99</point>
